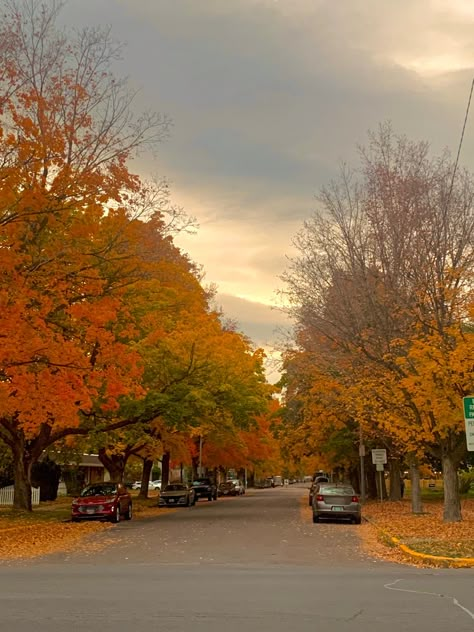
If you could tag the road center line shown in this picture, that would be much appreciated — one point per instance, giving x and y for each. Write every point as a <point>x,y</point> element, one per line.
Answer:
<point>391,586</point>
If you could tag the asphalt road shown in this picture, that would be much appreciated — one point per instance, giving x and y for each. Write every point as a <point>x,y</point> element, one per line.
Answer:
<point>249,564</point>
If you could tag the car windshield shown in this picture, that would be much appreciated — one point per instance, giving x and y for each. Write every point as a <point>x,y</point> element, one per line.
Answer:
<point>175,487</point>
<point>202,481</point>
<point>99,490</point>
<point>341,490</point>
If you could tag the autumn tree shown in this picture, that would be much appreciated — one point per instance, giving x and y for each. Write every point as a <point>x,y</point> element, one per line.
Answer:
<point>385,267</point>
<point>68,246</point>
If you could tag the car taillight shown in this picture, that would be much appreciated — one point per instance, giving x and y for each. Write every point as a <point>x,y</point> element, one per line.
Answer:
<point>319,497</point>
<point>355,499</point>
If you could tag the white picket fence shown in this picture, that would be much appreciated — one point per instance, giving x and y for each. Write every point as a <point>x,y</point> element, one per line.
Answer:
<point>6,495</point>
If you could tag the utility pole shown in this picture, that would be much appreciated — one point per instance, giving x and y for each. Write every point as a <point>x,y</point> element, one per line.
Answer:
<point>200,456</point>
<point>362,464</point>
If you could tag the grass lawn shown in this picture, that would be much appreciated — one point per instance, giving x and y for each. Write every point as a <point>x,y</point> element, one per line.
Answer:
<point>425,533</point>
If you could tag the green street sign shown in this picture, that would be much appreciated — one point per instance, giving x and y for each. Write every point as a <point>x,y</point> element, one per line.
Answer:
<point>468,404</point>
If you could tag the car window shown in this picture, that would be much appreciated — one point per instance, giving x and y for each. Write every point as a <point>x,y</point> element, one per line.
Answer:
<point>340,490</point>
<point>99,490</point>
<point>175,487</point>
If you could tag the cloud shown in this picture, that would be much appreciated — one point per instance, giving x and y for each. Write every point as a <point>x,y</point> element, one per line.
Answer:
<point>268,96</point>
<point>266,327</point>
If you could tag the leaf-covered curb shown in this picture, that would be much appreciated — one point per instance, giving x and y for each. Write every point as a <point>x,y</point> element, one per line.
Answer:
<point>435,560</point>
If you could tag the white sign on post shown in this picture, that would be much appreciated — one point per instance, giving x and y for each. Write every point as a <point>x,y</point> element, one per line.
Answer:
<point>379,455</point>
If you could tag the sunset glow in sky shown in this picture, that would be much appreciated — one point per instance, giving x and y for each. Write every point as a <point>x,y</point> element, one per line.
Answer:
<point>267,98</point>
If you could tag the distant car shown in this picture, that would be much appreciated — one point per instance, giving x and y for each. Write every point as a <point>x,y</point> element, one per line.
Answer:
<point>336,502</point>
<point>102,501</point>
<point>227,488</point>
<point>314,484</point>
<point>151,485</point>
<point>205,488</point>
<point>238,486</point>
<point>156,484</point>
<point>177,494</point>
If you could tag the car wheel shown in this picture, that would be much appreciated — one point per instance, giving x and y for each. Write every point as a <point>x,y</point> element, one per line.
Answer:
<point>116,514</point>
<point>315,518</point>
<point>74,519</point>
<point>215,497</point>
<point>209,497</point>
<point>357,520</point>
<point>128,515</point>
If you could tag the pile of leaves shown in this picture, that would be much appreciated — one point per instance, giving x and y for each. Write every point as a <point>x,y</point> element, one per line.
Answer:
<point>23,539</point>
<point>424,533</point>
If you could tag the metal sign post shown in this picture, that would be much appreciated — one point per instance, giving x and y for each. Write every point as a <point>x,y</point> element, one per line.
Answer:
<point>379,458</point>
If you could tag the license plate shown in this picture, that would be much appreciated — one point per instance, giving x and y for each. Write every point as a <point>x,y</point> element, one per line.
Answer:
<point>171,500</point>
<point>337,508</point>
<point>90,510</point>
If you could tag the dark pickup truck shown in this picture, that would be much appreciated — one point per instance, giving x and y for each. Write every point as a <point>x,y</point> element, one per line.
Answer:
<point>205,488</point>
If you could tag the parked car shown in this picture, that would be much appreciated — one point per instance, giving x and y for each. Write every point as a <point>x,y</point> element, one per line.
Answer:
<point>336,502</point>
<point>239,487</point>
<point>314,484</point>
<point>102,501</point>
<point>156,484</point>
<point>176,494</point>
<point>205,488</point>
<point>138,485</point>
<point>226,488</point>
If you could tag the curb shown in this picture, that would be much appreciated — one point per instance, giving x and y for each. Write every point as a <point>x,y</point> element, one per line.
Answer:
<point>461,562</point>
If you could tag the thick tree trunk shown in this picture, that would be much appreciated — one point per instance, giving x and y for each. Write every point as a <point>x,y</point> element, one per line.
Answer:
<point>22,469</point>
<point>165,470</point>
<point>395,479</point>
<point>195,467</point>
<point>114,464</point>
<point>416,505</point>
<point>452,502</point>
<point>354,478</point>
<point>147,467</point>
<point>371,482</point>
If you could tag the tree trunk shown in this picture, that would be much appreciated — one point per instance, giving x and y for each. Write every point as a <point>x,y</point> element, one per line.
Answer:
<point>165,470</point>
<point>195,467</point>
<point>452,502</point>
<point>22,468</point>
<point>114,464</point>
<point>416,505</point>
<point>147,467</point>
<point>354,478</point>
<point>395,479</point>
<point>371,482</point>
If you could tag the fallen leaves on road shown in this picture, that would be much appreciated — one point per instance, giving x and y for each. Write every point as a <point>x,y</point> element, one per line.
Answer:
<point>23,541</point>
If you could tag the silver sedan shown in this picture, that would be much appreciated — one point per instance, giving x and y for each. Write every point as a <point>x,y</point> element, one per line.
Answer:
<point>336,502</point>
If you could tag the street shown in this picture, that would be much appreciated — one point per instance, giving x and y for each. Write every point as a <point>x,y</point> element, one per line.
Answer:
<point>251,563</point>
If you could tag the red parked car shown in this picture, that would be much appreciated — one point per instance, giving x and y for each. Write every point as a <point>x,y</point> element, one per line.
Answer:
<point>102,501</point>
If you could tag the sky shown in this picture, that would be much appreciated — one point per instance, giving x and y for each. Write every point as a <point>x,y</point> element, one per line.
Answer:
<point>267,98</point>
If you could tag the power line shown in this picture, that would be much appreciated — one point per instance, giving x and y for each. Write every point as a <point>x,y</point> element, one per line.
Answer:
<point>460,144</point>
